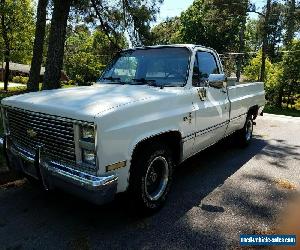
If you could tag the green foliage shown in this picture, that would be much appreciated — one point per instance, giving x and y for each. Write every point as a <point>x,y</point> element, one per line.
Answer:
<point>253,36</point>
<point>167,32</point>
<point>274,74</point>
<point>282,111</point>
<point>117,17</point>
<point>283,76</point>
<point>252,70</point>
<point>291,63</point>
<point>19,25</point>
<point>20,79</point>
<point>213,23</point>
<point>86,55</point>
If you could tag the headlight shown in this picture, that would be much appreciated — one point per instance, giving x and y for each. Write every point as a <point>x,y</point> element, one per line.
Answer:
<point>87,144</point>
<point>88,157</point>
<point>88,134</point>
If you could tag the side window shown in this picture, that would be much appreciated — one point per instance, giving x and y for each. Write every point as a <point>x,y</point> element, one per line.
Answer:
<point>207,65</point>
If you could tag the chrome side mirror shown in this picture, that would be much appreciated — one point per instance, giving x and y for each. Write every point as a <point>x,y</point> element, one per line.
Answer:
<point>217,80</point>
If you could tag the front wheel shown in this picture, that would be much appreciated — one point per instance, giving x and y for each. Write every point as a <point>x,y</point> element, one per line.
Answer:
<point>151,176</point>
<point>245,134</point>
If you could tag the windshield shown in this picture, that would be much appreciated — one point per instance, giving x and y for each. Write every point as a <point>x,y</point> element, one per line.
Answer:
<point>160,66</point>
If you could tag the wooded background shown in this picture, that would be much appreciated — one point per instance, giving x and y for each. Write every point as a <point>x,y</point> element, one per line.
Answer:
<point>81,37</point>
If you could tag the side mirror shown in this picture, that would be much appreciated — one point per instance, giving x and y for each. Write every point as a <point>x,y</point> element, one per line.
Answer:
<point>217,80</point>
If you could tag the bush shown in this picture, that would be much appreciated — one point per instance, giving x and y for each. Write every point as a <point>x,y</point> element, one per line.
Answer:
<point>71,82</point>
<point>273,79</point>
<point>20,79</point>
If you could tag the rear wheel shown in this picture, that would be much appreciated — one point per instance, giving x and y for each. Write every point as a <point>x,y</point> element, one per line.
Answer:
<point>245,134</point>
<point>151,177</point>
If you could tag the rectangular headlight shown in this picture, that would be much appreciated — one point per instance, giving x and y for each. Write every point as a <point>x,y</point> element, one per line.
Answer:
<point>88,134</point>
<point>88,157</point>
<point>85,135</point>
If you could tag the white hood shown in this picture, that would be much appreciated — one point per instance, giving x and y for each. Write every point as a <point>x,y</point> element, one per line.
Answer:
<point>83,103</point>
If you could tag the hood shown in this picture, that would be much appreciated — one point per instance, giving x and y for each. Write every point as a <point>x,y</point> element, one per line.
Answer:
<point>83,103</point>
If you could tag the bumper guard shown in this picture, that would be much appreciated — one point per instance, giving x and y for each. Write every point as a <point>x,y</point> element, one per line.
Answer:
<point>97,189</point>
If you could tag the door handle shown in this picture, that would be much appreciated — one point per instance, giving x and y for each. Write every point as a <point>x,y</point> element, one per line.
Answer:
<point>202,93</point>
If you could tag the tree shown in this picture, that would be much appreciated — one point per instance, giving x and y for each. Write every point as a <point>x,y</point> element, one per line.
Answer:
<point>16,29</point>
<point>167,32</point>
<point>253,37</point>
<point>36,62</point>
<point>273,75</point>
<point>290,22</point>
<point>290,81</point>
<point>57,37</point>
<point>265,41</point>
<point>201,23</point>
<point>275,29</point>
<point>115,17</point>
<point>87,53</point>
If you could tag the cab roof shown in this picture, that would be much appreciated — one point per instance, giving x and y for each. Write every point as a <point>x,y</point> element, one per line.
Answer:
<point>188,46</point>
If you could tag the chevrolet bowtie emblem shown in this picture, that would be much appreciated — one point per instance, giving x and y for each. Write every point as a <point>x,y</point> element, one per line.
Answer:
<point>31,133</point>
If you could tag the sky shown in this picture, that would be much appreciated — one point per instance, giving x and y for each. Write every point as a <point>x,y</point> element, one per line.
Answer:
<point>171,8</point>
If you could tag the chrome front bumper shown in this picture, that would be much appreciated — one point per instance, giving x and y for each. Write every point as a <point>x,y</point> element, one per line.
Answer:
<point>97,189</point>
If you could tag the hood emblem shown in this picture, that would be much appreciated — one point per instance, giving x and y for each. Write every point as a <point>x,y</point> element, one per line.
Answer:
<point>31,133</point>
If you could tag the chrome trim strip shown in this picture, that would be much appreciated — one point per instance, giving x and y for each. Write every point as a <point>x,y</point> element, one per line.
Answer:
<point>79,178</point>
<point>87,145</point>
<point>50,116</point>
<point>204,131</point>
<point>24,154</point>
<point>209,129</point>
<point>78,152</point>
<point>237,117</point>
<point>68,174</point>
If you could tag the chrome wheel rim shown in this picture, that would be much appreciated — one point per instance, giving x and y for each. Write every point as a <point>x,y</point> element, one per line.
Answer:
<point>249,129</point>
<point>157,177</point>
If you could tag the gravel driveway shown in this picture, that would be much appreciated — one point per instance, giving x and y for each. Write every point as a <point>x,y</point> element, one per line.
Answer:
<point>217,195</point>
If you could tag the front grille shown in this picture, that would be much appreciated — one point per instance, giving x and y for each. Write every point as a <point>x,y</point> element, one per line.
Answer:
<point>54,134</point>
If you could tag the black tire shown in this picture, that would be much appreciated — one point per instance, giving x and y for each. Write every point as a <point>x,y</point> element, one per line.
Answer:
<point>151,176</point>
<point>244,135</point>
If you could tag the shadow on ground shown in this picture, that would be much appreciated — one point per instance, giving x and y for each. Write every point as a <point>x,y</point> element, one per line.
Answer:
<point>29,218</point>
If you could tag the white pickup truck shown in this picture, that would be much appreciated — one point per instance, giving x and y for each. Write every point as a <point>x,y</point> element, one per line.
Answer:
<point>152,108</point>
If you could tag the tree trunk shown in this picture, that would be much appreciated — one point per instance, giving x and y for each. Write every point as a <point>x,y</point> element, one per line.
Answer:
<point>6,49</point>
<point>265,42</point>
<point>280,95</point>
<point>241,49</point>
<point>36,62</point>
<point>6,75</point>
<point>57,38</point>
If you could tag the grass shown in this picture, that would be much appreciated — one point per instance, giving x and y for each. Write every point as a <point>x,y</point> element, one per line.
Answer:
<point>282,111</point>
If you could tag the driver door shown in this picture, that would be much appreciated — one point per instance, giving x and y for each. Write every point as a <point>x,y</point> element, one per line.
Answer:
<point>211,103</point>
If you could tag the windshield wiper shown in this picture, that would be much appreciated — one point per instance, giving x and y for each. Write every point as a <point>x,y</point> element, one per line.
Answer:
<point>153,83</point>
<point>112,78</point>
<point>144,81</point>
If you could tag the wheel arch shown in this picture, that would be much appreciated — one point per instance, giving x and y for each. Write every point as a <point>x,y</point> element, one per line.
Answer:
<point>253,111</point>
<point>173,139</point>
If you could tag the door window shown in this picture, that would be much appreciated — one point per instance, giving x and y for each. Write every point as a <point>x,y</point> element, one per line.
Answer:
<point>205,64</point>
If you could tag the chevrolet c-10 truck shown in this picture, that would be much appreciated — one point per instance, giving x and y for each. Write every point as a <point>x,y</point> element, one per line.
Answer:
<point>151,109</point>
